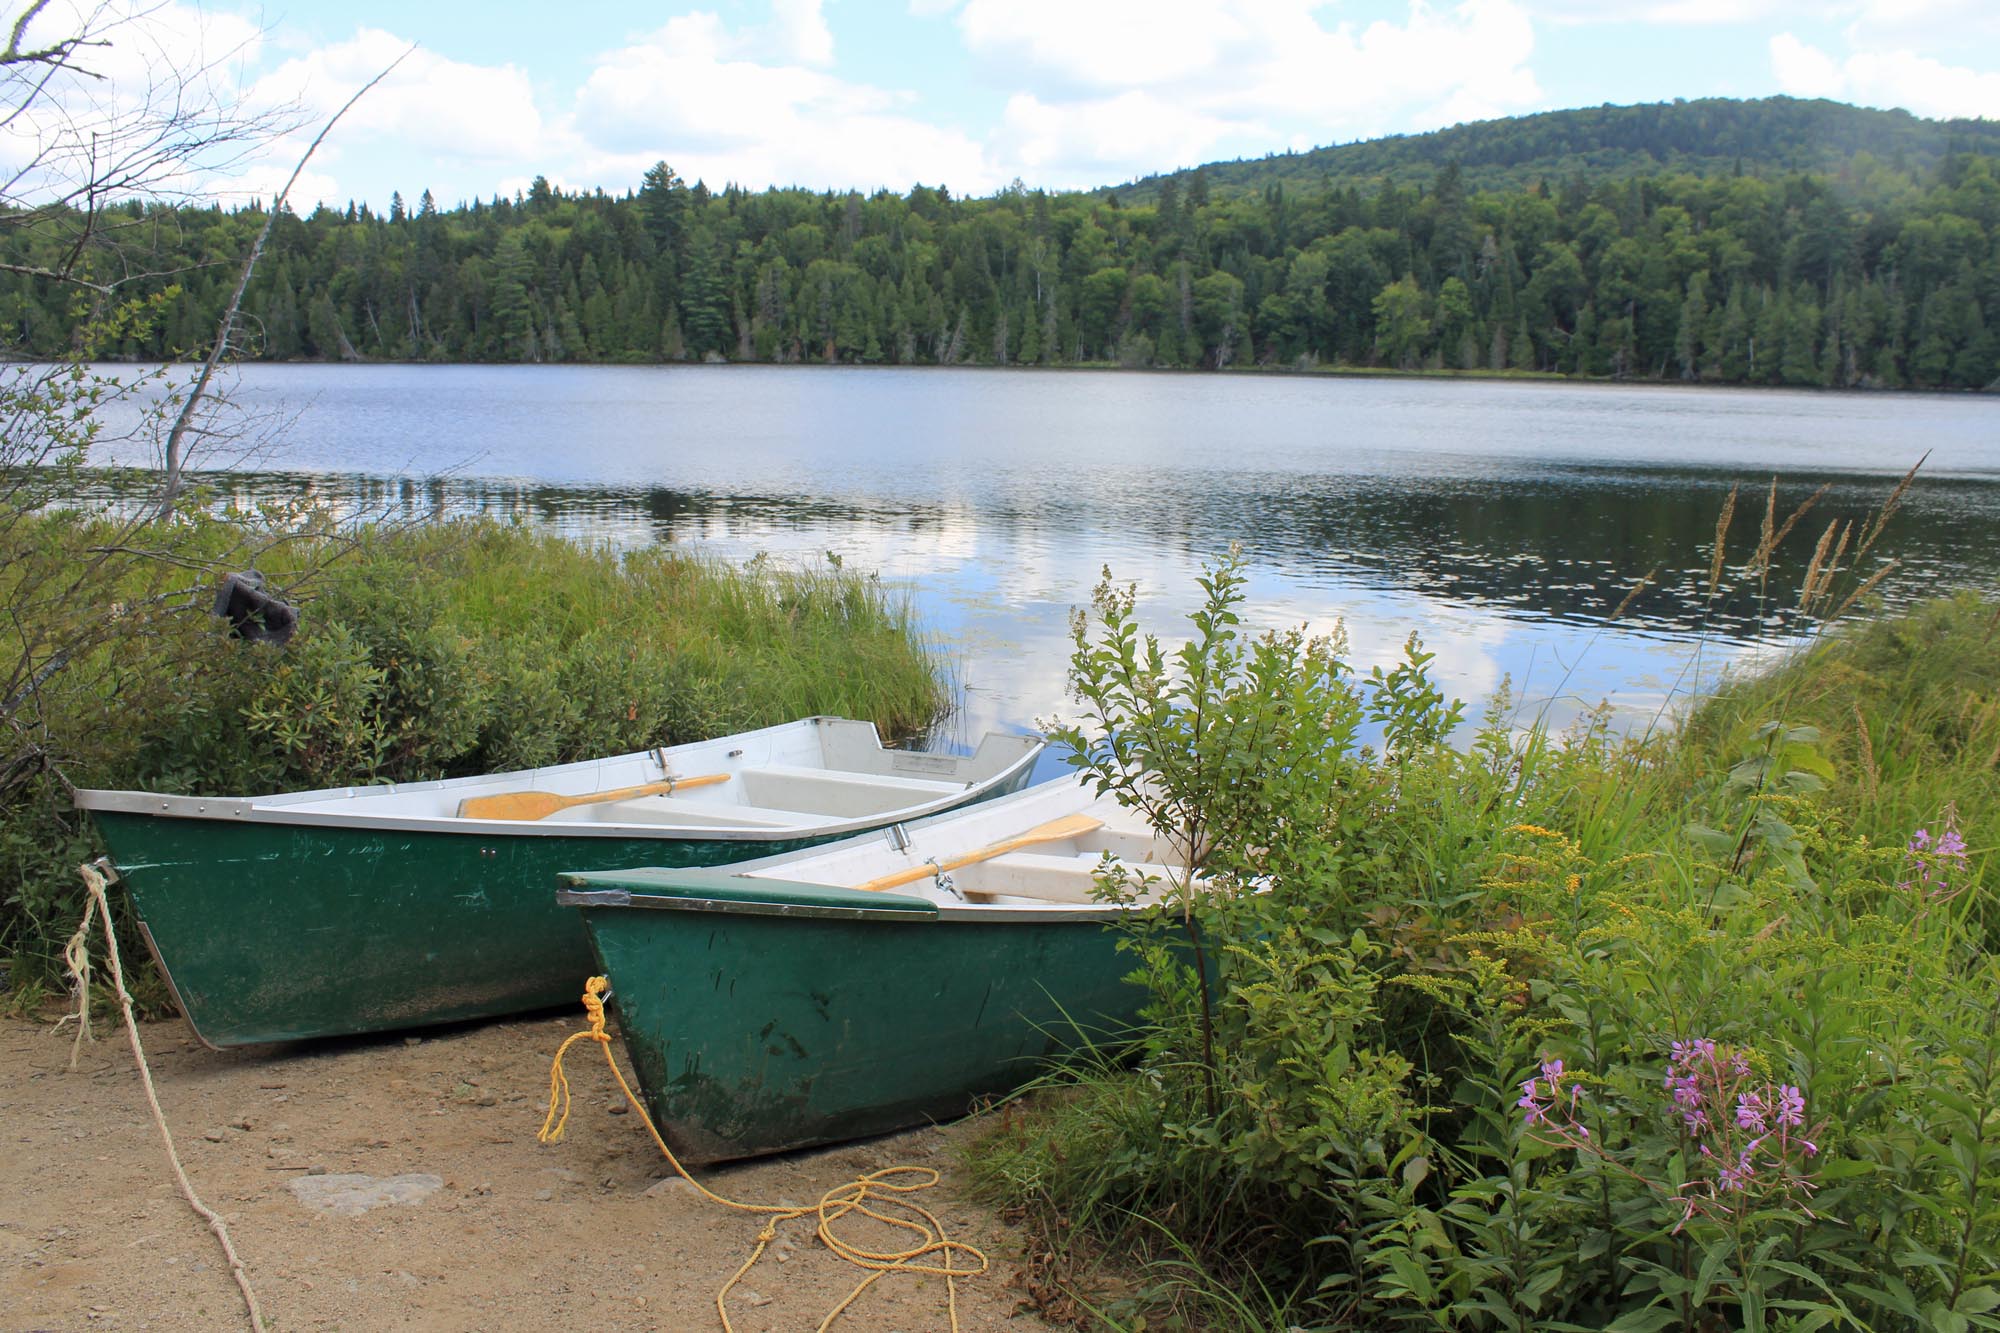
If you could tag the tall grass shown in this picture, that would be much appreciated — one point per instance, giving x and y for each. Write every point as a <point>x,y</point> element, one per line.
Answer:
<point>437,652</point>
<point>1908,712</point>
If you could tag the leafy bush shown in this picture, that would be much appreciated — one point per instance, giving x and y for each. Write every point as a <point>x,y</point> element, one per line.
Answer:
<point>1552,1031</point>
<point>438,652</point>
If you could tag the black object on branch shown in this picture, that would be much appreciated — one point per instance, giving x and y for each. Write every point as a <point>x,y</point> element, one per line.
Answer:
<point>254,614</point>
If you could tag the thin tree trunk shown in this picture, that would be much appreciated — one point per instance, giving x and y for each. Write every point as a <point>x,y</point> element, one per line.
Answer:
<point>176,458</point>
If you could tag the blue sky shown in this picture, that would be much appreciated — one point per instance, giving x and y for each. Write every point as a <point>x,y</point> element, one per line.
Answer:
<point>975,93</point>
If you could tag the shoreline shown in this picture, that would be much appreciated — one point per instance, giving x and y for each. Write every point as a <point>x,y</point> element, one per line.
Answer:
<point>1100,367</point>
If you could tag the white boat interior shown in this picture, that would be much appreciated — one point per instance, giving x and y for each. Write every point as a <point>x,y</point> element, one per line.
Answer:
<point>1047,849</point>
<point>816,774</point>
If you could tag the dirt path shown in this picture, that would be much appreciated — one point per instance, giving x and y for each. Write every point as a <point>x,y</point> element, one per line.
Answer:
<point>93,1234</point>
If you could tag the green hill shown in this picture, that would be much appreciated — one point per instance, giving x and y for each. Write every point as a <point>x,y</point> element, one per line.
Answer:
<point>1776,242</point>
<point>1713,136</point>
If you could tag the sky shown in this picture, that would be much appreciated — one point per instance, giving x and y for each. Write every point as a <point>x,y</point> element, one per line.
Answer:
<point>975,94</point>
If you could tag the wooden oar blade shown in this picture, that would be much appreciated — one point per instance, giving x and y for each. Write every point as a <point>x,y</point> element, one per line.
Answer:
<point>1056,830</point>
<point>531,805</point>
<point>511,805</point>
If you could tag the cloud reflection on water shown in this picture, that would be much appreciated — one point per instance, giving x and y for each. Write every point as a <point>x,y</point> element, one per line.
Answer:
<point>1502,521</point>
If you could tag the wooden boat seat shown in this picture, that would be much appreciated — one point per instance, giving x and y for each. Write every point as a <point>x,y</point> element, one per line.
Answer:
<point>1051,877</point>
<point>681,810</point>
<point>834,792</point>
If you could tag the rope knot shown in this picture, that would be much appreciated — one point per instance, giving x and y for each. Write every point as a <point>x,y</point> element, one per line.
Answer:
<point>593,1006</point>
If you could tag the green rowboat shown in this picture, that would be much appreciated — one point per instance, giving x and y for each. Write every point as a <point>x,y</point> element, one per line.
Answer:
<point>777,1004</point>
<point>362,909</point>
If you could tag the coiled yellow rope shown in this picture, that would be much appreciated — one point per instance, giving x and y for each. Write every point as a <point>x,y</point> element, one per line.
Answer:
<point>866,1195</point>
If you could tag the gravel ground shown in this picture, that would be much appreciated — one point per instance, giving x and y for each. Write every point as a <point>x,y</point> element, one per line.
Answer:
<point>462,1220</point>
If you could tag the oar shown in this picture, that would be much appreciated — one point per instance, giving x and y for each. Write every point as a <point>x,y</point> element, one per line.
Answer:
<point>541,804</point>
<point>1056,830</point>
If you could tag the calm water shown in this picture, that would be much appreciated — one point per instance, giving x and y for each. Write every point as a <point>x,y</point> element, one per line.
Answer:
<point>1501,521</point>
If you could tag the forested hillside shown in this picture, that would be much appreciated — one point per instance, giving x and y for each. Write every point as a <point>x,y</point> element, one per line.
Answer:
<point>1712,136</point>
<point>1881,273</point>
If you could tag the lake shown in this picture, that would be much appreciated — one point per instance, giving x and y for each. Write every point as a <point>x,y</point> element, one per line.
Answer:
<point>1503,521</point>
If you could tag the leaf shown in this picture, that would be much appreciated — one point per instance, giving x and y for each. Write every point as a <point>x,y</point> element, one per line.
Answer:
<point>1414,1279</point>
<point>1711,839</point>
<point>1978,1300</point>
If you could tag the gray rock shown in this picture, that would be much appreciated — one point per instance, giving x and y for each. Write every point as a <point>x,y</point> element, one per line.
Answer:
<point>350,1194</point>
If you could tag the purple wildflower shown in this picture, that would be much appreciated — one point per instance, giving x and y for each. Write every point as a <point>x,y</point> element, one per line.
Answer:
<point>1542,1099</point>
<point>1531,1103</point>
<point>1739,1127</point>
<point>1739,1177</point>
<point>1935,862</point>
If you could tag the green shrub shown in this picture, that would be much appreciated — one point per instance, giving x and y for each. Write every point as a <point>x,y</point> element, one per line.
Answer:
<point>1465,1002</point>
<point>438,652</point>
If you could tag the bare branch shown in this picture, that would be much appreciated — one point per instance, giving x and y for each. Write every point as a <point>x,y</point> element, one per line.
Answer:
<point>56,56</point>
<point>53,275</point>
<point>170,483</point>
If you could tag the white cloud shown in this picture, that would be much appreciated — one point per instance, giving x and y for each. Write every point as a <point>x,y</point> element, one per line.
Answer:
<point>695,94</point>
<point>1803,70</point>
<point>1886,78</point>
<point>1131,86</point>
<point>1111,44</point>
<point>1678,12</point>
<point>1100,139</point>
<point>1915,23</point>
<point>444,107</point>
<point>1923,85</point>
<point>803,34</point>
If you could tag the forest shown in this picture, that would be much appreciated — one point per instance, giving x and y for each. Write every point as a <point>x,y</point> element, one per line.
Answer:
<point>1883,273</point>
<point>1706,136</point>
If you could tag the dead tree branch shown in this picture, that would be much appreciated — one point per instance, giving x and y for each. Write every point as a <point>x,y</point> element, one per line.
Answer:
<point>175,460</point>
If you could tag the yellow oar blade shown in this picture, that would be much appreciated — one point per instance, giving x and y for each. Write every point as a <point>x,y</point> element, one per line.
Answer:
<point>1056,830</point>
<point>531,805</point>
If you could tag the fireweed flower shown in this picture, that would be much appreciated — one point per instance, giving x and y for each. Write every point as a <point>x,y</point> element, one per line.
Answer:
<point>1552,1107</point>
<point>1935,863</point>
<point>1742,1131</point>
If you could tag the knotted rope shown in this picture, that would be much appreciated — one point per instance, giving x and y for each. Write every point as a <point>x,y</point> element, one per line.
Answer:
<point>866,1195</point>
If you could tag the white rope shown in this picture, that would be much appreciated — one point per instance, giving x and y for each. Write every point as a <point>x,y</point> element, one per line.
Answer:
<point>93,880</point>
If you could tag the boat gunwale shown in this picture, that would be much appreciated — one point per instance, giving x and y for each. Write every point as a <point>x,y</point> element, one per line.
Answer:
<point>939,913</point>
<point>279,808</point>
<point>617,898</point>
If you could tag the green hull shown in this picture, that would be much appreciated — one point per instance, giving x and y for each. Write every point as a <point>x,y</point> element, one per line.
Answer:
<point>275,932</point>
<point>781,1016</point>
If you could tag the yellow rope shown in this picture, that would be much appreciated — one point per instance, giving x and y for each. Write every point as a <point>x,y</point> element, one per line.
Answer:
<point>866,1195</point>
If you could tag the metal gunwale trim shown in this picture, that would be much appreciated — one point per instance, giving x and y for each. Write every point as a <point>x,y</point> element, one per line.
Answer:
<point>267,810</point>
<point>109,799</point>
<point>661,902</point>
<point>949,913</point>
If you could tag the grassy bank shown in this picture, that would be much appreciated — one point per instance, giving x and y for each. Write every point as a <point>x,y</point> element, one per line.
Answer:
<point>1694,1032</point>
<point>432,652</point>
